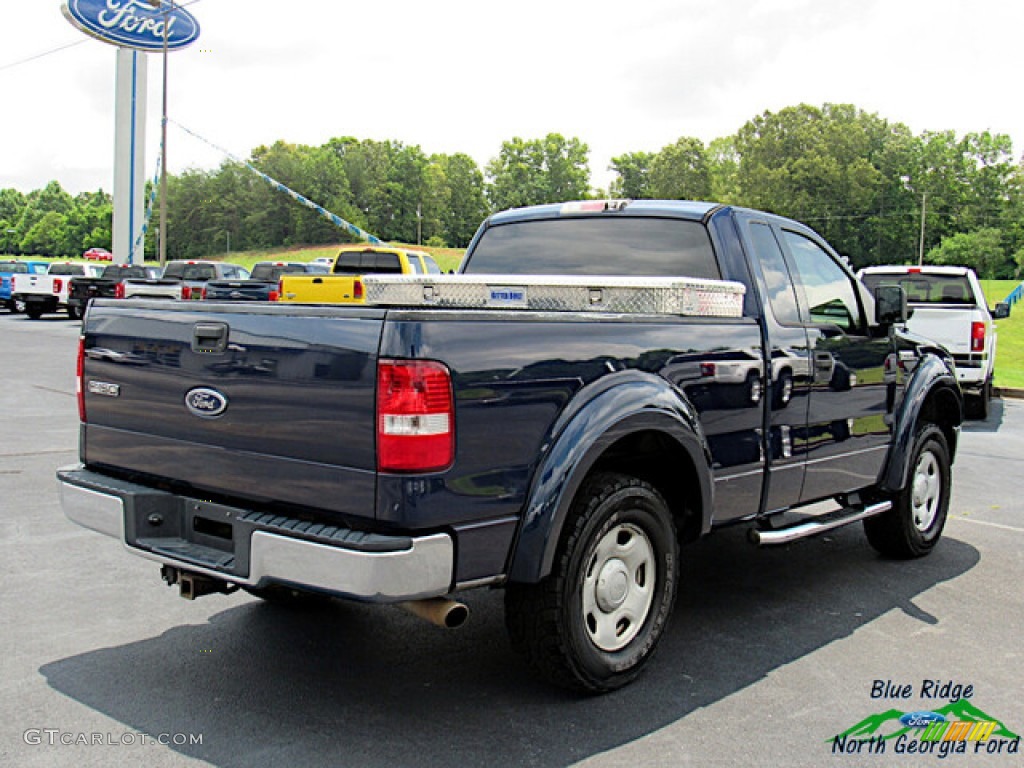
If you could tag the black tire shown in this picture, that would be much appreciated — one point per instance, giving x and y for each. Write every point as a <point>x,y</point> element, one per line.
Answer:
<point>593,623</point>
<point>978,405</point>
<point>75,313</point>
<point>33,311</point>
<point>914,525</point>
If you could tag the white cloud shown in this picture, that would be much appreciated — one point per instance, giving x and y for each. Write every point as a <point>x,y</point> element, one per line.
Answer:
<point>455,76</point>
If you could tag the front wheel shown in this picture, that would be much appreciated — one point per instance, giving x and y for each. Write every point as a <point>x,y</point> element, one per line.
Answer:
<point>593,623</point>
<point>914,524</point>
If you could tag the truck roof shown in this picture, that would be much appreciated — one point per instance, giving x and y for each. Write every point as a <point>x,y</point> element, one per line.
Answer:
<point>902,269</point>
<point>686,209</point>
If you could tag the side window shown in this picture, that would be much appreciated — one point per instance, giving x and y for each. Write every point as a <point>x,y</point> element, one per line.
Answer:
<point>432,268</point>
<point>829,290</point>
<point>781,295</point>
<point>416,267</point>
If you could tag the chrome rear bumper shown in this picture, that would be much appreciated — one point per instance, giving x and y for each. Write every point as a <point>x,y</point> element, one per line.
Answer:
<point>256,550</point>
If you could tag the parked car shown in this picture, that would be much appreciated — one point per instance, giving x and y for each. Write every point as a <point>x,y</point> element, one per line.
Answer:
<point>108,285</point>
<point>185,279</point>
<point>263,285</point>
<point>98,254</point>
<point>949,307</point>
<point>518,431</point>
<point>344,285</point>
<point>49,293</point>
<point>8,269</point>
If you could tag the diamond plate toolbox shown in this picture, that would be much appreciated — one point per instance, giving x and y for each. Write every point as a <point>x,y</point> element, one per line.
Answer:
<point>591,293</point>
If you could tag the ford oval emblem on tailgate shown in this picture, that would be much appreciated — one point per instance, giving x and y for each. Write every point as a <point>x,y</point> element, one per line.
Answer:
<point>205,403</point>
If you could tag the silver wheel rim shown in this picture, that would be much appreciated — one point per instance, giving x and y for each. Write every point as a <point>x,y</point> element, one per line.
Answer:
<point>787,389</point>
<point>618,588</point>
<point>927,491</point>
<point>755,390</point>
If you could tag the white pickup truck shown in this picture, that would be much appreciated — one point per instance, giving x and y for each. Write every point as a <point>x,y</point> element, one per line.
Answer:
<point>49,292</point>
<point>949,307</point>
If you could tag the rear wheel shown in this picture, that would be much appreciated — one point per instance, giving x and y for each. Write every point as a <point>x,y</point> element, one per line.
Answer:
<point>914,524</point>
<point>979,405</point>
<point>75,313</point>
<point>593,623</point>
<point>34,311</point>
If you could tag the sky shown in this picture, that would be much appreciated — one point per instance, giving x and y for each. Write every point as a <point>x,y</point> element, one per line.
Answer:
<point>453,76</point>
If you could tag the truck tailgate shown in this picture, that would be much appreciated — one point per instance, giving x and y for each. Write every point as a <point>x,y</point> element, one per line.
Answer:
<point>320,289</point>
<point>246,400</point>
<point>949,326</point>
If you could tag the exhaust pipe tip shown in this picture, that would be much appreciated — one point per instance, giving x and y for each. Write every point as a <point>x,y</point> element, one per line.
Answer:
<point>439,611</point>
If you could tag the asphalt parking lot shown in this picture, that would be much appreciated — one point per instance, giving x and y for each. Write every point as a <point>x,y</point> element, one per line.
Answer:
<point>770,653</point>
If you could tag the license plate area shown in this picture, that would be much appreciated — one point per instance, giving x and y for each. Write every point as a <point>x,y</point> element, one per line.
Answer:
<point>199,532</point>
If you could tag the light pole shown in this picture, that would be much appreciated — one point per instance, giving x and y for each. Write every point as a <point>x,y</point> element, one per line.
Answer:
<point>162,235</point>
<point>924,208</point>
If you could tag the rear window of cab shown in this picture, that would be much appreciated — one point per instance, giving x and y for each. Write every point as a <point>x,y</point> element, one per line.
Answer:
<point>600,245</point>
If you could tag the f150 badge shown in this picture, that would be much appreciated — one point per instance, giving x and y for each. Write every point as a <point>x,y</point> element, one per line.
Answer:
<point>205,403</point>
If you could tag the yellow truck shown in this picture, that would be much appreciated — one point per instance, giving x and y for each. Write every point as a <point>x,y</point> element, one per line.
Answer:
<point>344,284</point>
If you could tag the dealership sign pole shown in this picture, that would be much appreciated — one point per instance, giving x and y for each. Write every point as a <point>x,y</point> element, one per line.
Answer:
<point>134,26</point>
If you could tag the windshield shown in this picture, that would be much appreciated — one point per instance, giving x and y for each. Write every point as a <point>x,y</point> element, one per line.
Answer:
<point>14,267</point>
<point>185,271</point>
<point>66,269</point>
<point>269,273</point>
<point>117,272</point>
<point>367,262</point>
<point>924,288</point>
<point>640,247</point>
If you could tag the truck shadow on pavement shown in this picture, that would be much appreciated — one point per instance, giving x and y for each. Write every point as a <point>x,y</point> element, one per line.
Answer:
<point>349,684</point>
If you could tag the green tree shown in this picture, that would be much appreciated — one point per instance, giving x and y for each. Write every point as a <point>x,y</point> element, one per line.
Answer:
<point>680,171</point>
<point>47,236</point>
<point>633,171</point>
<point>465,205</point>
<point>981,250</point>
<point>529,172</point>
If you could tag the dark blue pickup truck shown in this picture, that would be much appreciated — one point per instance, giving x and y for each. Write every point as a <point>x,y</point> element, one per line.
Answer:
<point>262,284</point>
<point>603,383</point>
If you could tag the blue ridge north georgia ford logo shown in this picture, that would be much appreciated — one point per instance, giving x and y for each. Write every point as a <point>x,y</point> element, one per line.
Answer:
<point>205,403</point>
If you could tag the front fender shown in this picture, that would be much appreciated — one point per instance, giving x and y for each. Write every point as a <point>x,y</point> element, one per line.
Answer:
<point>615,407</point>
<point>932,392</point>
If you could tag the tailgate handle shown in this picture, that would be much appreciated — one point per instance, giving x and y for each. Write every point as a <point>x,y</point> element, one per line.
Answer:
<point>317,280</point>
<point>210,338</point>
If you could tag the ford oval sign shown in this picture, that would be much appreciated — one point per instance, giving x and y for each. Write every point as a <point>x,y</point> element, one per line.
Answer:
<point>205,403</point>
<point>134,23</point>
<point>921,719</point>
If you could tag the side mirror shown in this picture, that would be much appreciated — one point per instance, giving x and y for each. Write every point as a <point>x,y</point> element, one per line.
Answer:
<point>890,305</point>
<point>1002,311</point>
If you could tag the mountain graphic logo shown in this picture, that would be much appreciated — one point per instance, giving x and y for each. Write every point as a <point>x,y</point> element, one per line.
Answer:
<point>887,725</point>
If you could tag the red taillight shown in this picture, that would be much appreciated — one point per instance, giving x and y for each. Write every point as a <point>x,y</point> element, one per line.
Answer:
<point>274,296</point>
<point>80,379</point>
<point>203,294</point>
<point>415,416</point>
<point>977,337</point>
<point>58,285</point>
<point>119,291</point>
<point>707,369</point>
<point>357,289</point>
<point>186,292</point>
